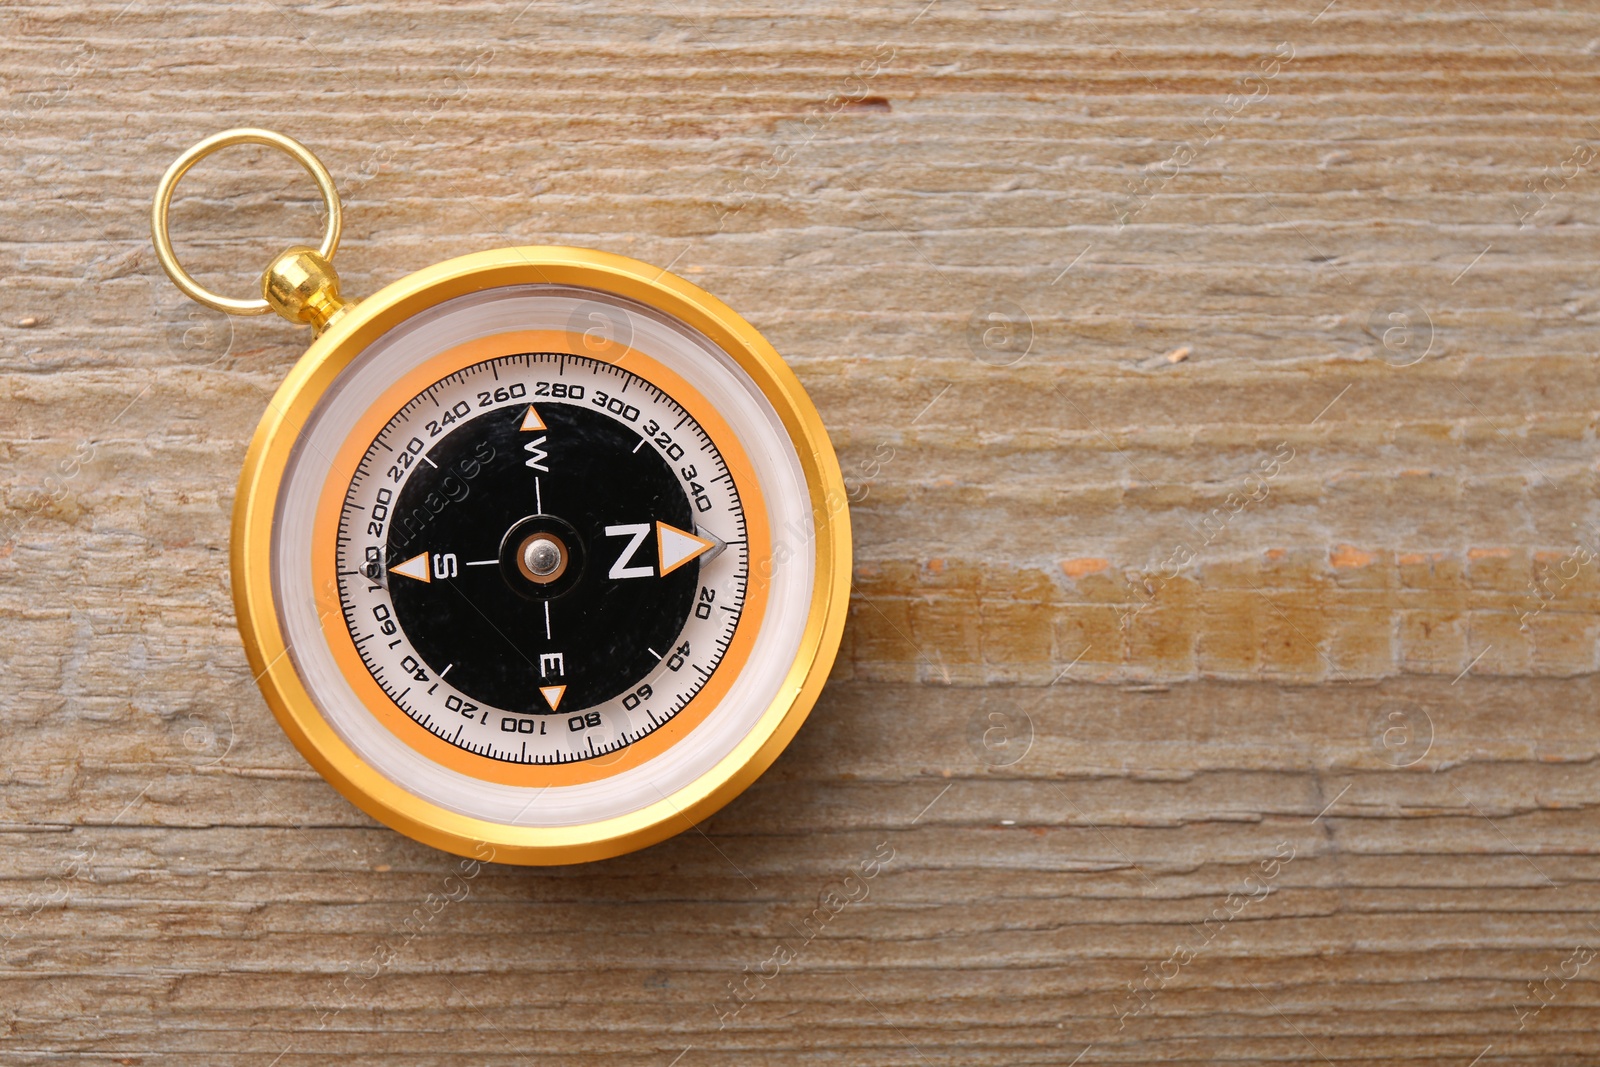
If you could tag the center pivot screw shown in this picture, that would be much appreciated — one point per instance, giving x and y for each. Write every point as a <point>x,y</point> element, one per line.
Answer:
<point>542,556</point>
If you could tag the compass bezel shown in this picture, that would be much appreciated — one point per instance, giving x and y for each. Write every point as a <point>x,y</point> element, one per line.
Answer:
<point>256,504</point>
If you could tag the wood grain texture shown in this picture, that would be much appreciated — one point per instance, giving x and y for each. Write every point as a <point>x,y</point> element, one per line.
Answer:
<point>1104,674</point>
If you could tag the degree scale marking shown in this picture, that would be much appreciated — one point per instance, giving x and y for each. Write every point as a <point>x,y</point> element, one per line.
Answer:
<point>671,691</point>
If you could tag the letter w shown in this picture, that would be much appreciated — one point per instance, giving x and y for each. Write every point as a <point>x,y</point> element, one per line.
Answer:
<point>536,461</point>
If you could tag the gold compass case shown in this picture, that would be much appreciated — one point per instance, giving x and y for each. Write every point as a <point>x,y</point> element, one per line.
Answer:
<point>351,331</point>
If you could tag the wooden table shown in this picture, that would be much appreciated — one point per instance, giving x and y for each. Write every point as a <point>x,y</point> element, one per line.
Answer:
<point>1218,390</point>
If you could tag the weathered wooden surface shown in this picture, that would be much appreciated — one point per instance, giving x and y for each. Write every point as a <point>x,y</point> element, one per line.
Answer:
<point>1349,668</point>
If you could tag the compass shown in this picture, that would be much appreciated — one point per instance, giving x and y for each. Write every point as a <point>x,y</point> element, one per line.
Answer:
<point>540,554</point>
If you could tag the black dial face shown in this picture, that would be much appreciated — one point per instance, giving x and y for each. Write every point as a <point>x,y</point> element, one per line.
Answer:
<point>542,558</point>
<point>492,619</point>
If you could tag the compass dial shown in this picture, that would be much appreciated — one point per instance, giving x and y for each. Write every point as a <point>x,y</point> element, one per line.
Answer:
<point>542,558</point>
<point>542,550</point>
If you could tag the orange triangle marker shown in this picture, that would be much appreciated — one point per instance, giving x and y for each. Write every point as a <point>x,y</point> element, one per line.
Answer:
<point>415,567</point>
<point>532,421</point>
<point>553,694</point>
<point>675,547</point>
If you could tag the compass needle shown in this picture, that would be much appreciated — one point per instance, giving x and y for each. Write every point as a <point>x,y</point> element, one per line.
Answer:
<point>675,547</point>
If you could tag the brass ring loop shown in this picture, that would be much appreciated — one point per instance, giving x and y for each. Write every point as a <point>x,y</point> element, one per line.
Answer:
<point>180,166</point>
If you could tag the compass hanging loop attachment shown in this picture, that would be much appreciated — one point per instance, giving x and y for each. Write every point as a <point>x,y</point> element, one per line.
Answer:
<point>301,284</point>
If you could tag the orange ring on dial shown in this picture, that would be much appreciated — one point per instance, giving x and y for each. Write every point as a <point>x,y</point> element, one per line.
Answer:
<point>324,564</point>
